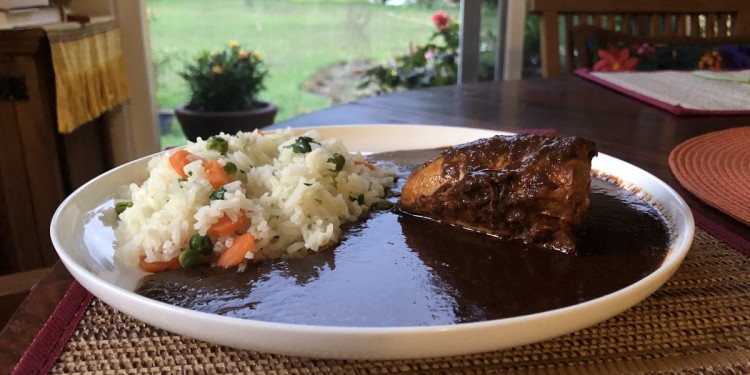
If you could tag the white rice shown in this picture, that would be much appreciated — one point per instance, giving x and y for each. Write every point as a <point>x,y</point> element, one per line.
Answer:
<point>295,202</point>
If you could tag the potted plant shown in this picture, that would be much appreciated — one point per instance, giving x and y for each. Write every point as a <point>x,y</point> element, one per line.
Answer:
<point>224,88</point>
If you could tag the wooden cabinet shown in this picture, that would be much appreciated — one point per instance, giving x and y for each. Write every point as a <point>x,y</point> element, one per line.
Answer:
<point>39,167</point>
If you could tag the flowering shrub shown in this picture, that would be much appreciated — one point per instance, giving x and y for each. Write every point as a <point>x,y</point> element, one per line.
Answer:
<point>228,80</point>
<point>432,64</point>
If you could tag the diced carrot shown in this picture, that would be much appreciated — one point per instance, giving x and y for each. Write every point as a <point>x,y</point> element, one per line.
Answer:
<point>225,226</point>
<point>172,264</point>
<point>216,174</point>
<point>179,159</point>
<point>366,164</point>
<point>236,253</point>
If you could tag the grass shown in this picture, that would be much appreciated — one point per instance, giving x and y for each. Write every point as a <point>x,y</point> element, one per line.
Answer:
<point>296,38</point>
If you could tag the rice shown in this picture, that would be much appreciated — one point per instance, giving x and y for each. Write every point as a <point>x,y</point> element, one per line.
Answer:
<point>295,201</point>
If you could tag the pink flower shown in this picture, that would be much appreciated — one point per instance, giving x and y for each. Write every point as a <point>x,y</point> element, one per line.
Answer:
<point>440,19</point>
<point>613,60</point>
<point>645,48</point>
<point>429,54</point>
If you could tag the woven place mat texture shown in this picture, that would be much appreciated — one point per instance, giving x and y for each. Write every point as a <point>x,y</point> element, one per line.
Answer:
<point>679,92</point>
<point>716,168</point>
<point>698,322</point>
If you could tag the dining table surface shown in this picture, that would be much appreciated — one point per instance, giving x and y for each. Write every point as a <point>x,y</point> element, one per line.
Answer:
<point>621,126</point>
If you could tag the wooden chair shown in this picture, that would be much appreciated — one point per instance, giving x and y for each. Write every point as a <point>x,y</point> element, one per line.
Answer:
<point>644,18</point>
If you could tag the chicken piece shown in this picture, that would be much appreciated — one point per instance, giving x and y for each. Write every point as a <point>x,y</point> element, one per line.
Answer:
<point>530,188</point>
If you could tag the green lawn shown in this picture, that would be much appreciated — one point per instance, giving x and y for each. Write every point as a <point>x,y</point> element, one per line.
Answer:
<point>295,38</point>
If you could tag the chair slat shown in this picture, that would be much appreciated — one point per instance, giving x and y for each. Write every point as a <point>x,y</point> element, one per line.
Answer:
<point>638,29</point>
<point>626,24</point>
<point>695,25</point>
<point>682,21</point>
<point>611,21</point>
<point>654,23</point>
<point>549,45</point>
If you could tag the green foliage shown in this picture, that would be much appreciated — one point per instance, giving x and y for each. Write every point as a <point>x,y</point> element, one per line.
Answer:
<point>227,80</point>
<point>532,63</point>
<point>432,64</point>
<point>293,36</point>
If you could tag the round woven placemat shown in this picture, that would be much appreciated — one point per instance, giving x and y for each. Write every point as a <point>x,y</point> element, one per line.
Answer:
<point>716,168</point>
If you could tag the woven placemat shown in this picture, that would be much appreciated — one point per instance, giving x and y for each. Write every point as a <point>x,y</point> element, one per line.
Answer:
<point>716,168</point>
<point>699,322</point>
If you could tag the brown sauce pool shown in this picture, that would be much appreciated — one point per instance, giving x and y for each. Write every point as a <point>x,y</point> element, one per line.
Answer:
<point>399,270</point>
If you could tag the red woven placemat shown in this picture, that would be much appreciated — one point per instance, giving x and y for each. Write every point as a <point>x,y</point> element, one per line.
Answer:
<point>716,168</point>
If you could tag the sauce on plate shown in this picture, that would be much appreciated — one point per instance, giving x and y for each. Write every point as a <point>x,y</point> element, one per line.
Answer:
<point>394,269</point>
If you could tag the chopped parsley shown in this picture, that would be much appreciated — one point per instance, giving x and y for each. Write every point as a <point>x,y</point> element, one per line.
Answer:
<point>302,145</point>
<point>337,160</point>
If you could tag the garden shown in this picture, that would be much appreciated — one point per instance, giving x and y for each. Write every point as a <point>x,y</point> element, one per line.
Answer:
<point>317,52</point>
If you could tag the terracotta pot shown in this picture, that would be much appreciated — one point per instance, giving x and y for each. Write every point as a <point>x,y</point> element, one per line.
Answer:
<point>205,124</point>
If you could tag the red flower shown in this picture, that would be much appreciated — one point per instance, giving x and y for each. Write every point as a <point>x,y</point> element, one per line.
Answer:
<point>440,19</point>
<point>614,60</point>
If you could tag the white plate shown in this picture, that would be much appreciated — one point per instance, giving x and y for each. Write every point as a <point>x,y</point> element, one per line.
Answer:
<point>85,247</point>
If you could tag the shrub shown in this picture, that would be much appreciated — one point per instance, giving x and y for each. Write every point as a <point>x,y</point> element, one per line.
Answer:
<point>228,80</point>
<point>432,64</point>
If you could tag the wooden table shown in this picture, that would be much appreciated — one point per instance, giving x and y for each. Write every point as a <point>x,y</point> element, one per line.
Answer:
<point>621,126</point>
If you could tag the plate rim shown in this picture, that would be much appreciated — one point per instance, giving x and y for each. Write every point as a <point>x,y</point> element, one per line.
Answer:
<point>90,281</point>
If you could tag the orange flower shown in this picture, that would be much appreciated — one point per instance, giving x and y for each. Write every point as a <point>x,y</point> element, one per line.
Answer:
<point>710,60</point>
<point>614,60</point>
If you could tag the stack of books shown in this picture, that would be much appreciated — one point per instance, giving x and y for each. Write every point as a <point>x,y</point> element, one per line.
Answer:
<point>28,13</point>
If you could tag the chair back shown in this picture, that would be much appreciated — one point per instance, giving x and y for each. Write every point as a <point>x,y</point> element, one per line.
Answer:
<point>643,18</point>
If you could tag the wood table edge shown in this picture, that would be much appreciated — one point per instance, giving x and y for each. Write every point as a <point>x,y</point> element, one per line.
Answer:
<point>31,315</point>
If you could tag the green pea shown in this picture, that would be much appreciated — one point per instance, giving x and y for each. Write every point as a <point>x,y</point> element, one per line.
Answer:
<point>120,207</point>
<point>337,160</point>
<point>218,144</point>
<point>189,258</point>
<point>201,244</point>
<point>230,167</point>
<point>383,205</point>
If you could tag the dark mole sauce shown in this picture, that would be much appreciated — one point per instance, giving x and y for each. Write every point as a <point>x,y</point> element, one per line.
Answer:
<point>399,270</point>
